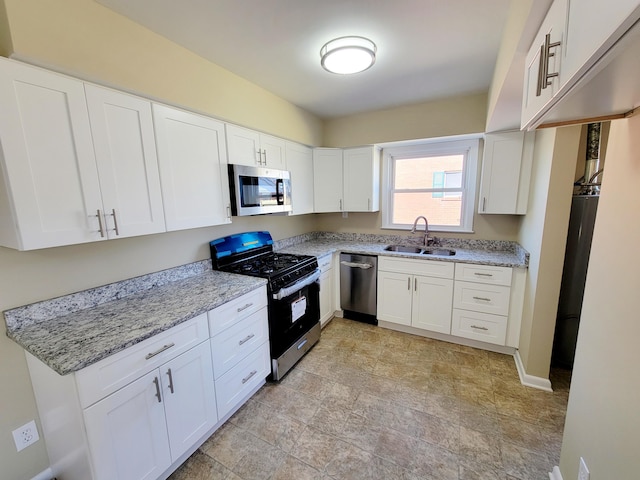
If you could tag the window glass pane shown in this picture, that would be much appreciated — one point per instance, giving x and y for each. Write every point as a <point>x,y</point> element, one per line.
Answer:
<point>439,210</point>
<point>411,173</point>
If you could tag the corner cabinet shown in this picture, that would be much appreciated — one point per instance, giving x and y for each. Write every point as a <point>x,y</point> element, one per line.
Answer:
<point>255,149</point>
<point>300,165</point>
<point>506,173</point>
<point>193,167</point>
<point>346,180</point>
<point>415,293</point>
<point>77,166</point>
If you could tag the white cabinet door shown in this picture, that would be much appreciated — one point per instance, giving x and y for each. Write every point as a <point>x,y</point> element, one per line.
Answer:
<point>361,169</point>
<point>326,297</point>
<point>506,172</point>
<point>51,192</point>
<point>193,169</point>
<point>300,165</point>
<point>127,432</point>
<point>273,152</point>
<point>536,99</point>
<point>243,146</point>
<point>327,180</point>
<point>394,297</point>
<point>125,149</point>
<point>593,27</point>
<point>189,398</point>
<point>432,304</point>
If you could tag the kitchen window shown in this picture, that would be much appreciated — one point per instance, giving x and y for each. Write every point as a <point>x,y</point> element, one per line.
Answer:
<point>436,179</point>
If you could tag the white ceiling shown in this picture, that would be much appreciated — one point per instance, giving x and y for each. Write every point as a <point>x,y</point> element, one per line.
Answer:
<point>427,49</point>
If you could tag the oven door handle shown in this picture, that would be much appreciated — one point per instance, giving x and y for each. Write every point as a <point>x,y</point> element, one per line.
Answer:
<point>309,279</point>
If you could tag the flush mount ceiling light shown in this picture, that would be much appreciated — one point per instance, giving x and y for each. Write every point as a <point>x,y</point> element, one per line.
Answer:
<point>346,55</point>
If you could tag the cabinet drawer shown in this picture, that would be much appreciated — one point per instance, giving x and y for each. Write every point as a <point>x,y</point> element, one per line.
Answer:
<point>479,297</point>
<point>428,268</point>
<point>232,312</point>
<point>108,375</point>
<point>484,274</point>
<point>234,385</point>
<point>479,326</point>
<point>325,263</point>
<point>230,346</point>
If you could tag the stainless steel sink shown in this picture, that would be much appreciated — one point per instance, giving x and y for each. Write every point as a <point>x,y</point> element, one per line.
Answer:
<point>402,249</point>
<point>443,252</point>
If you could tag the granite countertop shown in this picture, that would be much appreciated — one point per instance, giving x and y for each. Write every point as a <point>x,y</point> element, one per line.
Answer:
<point>70,342</point>
<point>510,257</point>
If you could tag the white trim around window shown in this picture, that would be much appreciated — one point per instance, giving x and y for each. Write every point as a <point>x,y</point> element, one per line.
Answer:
<point>468,146</point>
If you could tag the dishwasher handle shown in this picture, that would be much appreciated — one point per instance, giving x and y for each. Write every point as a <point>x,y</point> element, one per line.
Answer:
<point>363,266</point>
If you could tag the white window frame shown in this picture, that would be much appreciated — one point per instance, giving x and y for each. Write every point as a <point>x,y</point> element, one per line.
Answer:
<point>467,145</point>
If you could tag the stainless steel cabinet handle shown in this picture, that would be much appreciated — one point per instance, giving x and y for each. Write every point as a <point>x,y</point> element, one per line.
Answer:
<point>340,204</point>
<point>264,152</point>
<point>229,212</point>
<point>548,54</point>
<point>415,284</point>
<point>484,204</point>
<point>115,221</point>
<point>259,157</point>
<point>170,380</point>
<point>100,225</point>
<point>245,307</point>
<point>479,328</point>
<point>482,298</point>
<point>246,339</point>
<point>155,380</point>
<point>408,283</point>
<point>483,274</point>
<point>159,351</point>
<point>368,204</point>
<point>540,71</point>
<point>248,377</point>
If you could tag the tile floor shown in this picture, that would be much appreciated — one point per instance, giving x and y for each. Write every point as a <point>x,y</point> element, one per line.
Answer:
<point>371,403</point>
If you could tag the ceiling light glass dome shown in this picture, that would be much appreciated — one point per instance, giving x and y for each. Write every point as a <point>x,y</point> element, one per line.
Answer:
<point>346,55</point>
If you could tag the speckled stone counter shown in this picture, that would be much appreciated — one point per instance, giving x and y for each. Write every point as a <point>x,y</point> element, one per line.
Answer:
<point>72,332</point>
<point>481,252</point>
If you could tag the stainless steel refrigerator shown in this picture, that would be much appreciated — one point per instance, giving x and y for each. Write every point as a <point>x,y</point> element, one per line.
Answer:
<point>574,273</point>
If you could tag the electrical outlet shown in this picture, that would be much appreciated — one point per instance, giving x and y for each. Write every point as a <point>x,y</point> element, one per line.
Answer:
<point>583,472</point>
<point>25,435</point>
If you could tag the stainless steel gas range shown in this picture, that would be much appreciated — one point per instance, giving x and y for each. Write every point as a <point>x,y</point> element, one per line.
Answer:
<point>293,289</point>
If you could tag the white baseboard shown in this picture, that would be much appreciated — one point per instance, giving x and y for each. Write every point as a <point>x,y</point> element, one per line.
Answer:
<point>44,475</point>
<point>530,380</point>
<point>555,474</point>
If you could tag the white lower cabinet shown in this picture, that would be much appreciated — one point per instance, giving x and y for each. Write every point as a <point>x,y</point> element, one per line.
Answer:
<point>140,412</point>
<point>327,289</point>
<point>415,293</point>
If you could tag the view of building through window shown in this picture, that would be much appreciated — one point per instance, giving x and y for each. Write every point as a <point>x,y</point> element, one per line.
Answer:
<point>430,186</point>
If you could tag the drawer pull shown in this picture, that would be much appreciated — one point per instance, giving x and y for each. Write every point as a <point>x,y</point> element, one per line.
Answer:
<point>479,328</point>
<point>246,339</point>
<point>155,380</point>
<point>170,380</point>
<point>159,351</point>
<point>483,274</point>
<point>245,307</point>
<point>248,377</point>
<point>482,298</point>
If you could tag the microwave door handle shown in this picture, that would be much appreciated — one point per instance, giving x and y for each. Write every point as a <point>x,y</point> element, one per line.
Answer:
<point>280,191</point>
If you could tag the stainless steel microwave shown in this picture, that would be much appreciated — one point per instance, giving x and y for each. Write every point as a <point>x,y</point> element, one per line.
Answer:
<point>259,190</point>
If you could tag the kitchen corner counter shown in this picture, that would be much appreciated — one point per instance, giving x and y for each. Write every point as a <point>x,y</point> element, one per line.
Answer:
<point>480,252</point>
<point>90,331</point>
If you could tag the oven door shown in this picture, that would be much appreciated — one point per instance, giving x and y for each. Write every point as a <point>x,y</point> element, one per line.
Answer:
<point>293,316</point>
<point>257,191</point>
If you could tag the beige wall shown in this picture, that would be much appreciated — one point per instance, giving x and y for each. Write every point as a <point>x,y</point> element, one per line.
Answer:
<point>543,233</point>
<point>451,116</point>
<point>602,424</point>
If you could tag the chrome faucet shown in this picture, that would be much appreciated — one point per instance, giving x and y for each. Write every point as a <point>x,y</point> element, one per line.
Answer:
<point>426,229</point>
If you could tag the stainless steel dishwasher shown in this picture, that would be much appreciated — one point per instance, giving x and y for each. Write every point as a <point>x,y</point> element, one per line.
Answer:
<point>358,287</point>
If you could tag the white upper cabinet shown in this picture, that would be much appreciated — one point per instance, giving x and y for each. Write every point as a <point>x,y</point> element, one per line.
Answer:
<point>592,29</point>
<point>193,168</point>
<point>254,149</point>
<point>327,180</point>
<point>506,172</point>
<point>125,149</point>
<point>346,180</point>
<point>54,191</point>
<point>543,64</point>
<point>300,165</point>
